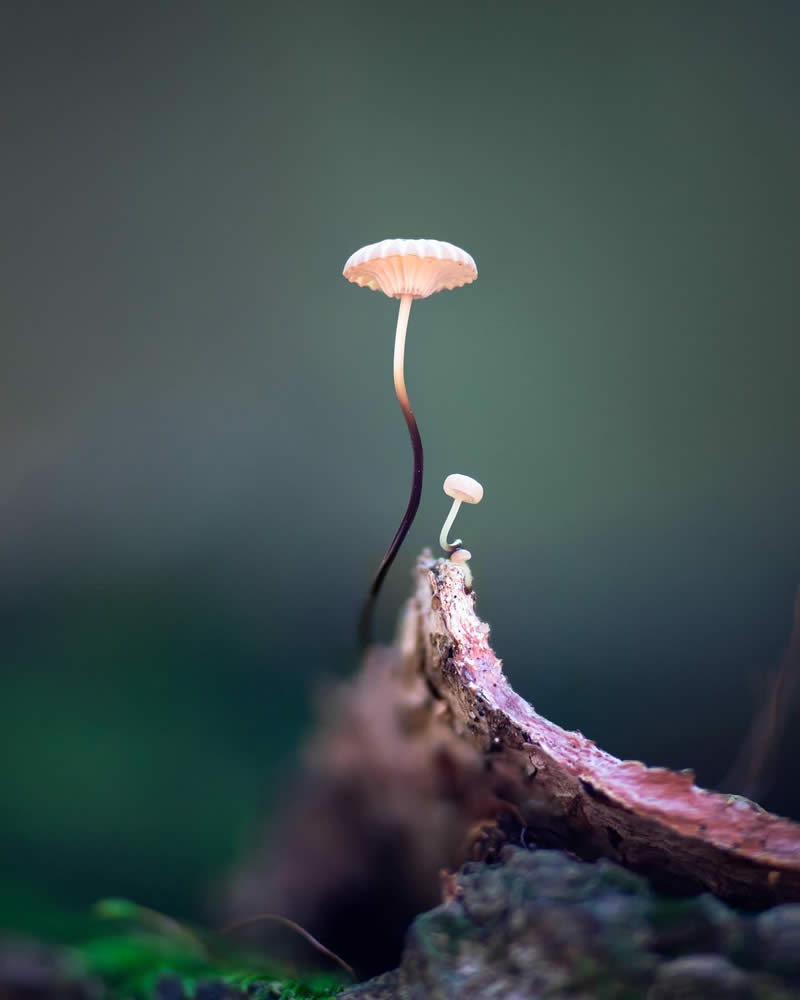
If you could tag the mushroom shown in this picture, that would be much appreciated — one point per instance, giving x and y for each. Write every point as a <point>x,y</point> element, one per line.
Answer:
<point>405,270</point>
<point>463,489</point>
<point>461,556</point>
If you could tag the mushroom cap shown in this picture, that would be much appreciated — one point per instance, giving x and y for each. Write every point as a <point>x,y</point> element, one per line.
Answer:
<point>410,267</point>
<point>463,488</point>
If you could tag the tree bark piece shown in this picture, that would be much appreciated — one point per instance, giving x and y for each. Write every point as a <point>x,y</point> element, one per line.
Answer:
<point>385,797</point>
<point>569,791</point>
<point>544,925</point>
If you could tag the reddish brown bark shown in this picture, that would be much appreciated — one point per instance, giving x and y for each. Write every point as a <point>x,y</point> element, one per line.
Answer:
<point>651,819</point>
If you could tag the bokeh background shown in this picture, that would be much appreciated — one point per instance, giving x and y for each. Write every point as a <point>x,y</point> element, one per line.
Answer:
<point>202,456</point>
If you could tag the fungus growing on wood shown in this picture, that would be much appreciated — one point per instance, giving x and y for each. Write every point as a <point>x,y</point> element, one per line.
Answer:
<point>405,270</point>
<point>463,489</point>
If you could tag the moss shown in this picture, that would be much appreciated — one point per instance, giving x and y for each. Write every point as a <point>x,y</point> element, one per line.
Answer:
<point>164,960</point>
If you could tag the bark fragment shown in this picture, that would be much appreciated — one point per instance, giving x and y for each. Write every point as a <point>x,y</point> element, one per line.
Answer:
<point>428,758</point>
<point>650,819</point>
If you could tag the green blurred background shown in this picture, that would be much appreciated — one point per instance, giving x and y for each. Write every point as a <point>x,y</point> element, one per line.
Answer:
<point>203,457</point>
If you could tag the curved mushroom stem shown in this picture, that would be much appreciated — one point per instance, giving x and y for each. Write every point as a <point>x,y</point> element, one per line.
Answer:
<point>448,524</point>
<point>365,622</point>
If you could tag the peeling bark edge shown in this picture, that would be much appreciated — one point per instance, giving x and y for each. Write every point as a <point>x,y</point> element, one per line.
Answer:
<point>650,819</point>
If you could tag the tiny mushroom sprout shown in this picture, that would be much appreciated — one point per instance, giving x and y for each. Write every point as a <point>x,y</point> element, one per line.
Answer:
<point>462,489</point>
<point>406,270</point>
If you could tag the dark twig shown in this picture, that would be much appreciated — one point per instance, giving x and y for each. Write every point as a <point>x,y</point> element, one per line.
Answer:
<point>749,776</point>
<point>278,918</point>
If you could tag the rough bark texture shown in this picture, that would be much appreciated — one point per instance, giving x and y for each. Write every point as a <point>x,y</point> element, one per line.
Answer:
<point>543,925</point>
<point>652,820</point>
<point>428,758</point>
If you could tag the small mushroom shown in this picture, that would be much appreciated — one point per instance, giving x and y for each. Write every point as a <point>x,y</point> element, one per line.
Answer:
<point>463,489</point>
<point>461,556</point>
<point>405,270</point>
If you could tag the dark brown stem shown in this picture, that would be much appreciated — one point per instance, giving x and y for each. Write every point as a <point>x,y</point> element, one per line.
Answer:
<point>365,621</point>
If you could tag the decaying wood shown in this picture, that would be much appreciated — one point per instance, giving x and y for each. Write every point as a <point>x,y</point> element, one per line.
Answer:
<point>385,797</point>
<point>414,760</point>
<point>651,819</point>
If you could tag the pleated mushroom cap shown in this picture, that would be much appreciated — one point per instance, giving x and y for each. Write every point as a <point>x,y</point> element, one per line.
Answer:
<point>410,267</point>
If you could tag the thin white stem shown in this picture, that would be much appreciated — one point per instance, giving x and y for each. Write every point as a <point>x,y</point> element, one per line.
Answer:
<point>400,348</point>
<point>448,524</point>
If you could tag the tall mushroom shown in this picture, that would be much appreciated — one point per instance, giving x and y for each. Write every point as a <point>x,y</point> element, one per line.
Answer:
<point>405,270</point>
